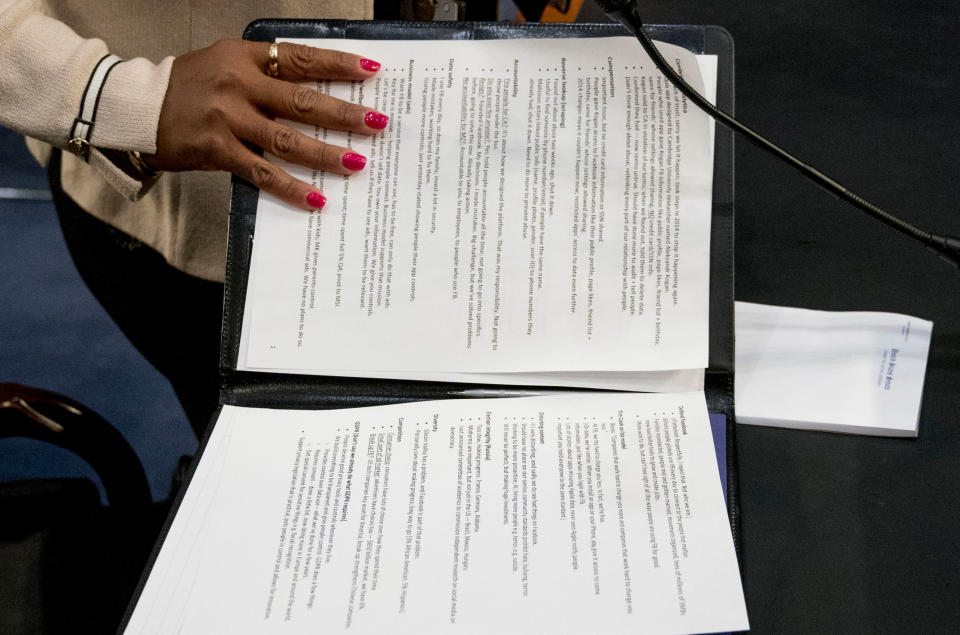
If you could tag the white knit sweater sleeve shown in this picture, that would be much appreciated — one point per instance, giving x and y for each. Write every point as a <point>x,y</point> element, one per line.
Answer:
<point>44,68</point>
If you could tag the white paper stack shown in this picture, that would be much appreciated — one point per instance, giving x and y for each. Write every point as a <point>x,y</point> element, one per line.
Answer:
<point>488,241</point>
<point>571,513</point>
<point>853,372</point>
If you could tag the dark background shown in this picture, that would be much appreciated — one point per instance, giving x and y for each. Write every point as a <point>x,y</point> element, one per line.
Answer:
<point>840,533</point>
<point>846,533</point>
<point>54,335</point>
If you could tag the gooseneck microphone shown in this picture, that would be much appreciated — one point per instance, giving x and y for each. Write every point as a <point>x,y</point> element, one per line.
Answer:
<point>625,12</point>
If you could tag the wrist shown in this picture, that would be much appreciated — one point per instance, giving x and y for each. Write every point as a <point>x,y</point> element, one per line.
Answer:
<point>145,171</point>
<point>133,164</point>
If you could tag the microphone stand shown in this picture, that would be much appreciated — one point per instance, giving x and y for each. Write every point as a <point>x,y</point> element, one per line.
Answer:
<point>625,12</point>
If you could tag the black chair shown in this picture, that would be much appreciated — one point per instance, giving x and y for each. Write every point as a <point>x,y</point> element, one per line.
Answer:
<point>67,563</point>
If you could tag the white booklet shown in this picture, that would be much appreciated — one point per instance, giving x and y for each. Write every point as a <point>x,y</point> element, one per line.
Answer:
<point>856,372</point>
<point>537,212</point>
<point>580,513</point>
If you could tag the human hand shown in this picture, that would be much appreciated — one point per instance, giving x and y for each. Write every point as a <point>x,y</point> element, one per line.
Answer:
<point>220,100</point>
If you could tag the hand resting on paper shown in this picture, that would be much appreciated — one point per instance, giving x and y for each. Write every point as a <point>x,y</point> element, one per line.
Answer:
<point>220,100</point>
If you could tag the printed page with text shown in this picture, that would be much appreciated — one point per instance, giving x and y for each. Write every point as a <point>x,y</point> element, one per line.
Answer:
<point>535,207</point>
<point>580,513</point>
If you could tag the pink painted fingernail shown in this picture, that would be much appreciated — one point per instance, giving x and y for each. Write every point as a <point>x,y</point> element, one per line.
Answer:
<point>316,200</point>
<point>376,120</point>
<point>353,161</point>
<point>369,65</point>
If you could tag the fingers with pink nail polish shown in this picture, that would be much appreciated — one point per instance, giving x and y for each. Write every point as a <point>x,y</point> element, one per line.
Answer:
<point>369,65</point>
<point>284,97</point>
<point>353,161</point>
<point>376,120</point>
<point>316,200</point>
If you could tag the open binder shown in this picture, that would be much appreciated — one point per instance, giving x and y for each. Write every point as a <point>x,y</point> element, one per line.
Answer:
<point>292,391</point>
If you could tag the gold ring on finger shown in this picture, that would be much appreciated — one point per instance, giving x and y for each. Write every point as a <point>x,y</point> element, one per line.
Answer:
<point>273,67</point>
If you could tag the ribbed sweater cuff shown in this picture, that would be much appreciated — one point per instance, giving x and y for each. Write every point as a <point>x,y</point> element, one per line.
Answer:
<point>129,109</point>
<point>130,188</point>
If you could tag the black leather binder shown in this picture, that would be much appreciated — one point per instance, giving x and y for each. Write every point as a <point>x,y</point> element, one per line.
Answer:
<point>301,391</point>
<point>291,391</point>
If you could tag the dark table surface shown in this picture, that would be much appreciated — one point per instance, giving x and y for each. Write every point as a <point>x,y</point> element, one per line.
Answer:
<point>847,533</point>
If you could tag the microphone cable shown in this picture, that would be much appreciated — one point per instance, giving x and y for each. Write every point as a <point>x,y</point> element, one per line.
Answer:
<point>625,12</point>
